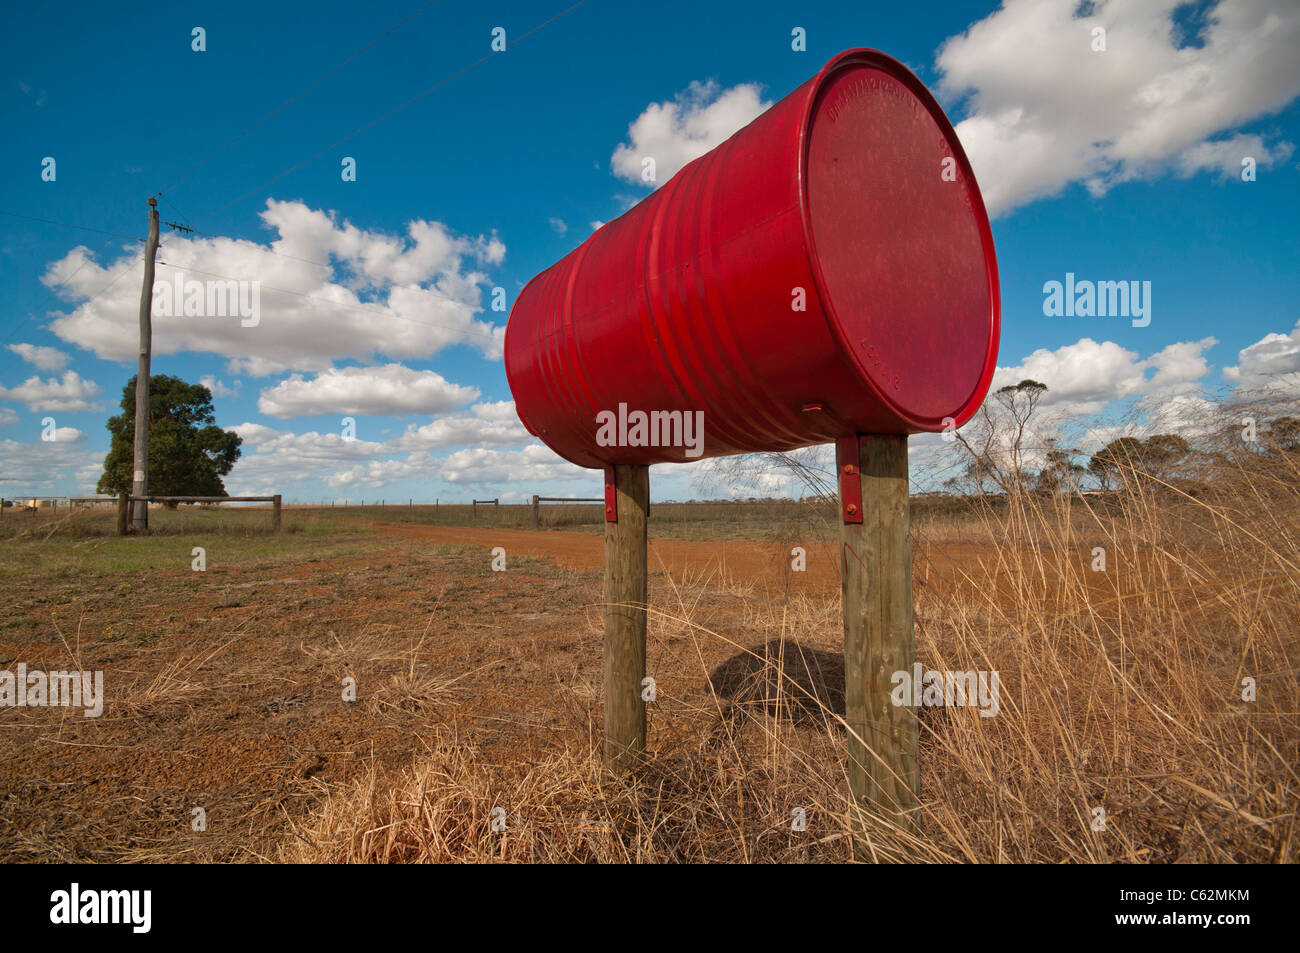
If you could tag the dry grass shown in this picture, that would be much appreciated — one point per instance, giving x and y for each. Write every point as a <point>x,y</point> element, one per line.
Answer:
<point>1121,690</point>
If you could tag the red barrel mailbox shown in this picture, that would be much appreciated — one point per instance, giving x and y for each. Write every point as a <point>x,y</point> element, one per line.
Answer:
<point>825,272</point>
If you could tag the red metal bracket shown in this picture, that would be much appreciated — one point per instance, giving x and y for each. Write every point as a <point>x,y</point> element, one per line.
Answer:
<point>611,496</point>
<point>850,477</point>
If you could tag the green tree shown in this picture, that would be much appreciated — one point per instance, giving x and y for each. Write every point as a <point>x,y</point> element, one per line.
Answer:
<point>1115,461</point>
<point>1128,459</point>
<point>1161,454</point>
<point>188,452</point>
<point>1285,433</point>
<point>1060,472</point>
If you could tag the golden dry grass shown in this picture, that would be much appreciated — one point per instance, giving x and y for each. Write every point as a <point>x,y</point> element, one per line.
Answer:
<point>1121,690</point>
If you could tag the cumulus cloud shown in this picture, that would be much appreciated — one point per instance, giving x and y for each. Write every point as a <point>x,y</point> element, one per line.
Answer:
<point>38,466</point>
<point>218,388</point>
<point>392,389</point>
<point>273,457</point>
<point>327,291</point>
<point>1047,111</point>
<point>69,393</point>
<point>674,132</point>
<point>558,225</point>
<point>7,417</point>
<point>42,358</point>
<point>490,425</point>
<point>1270,364</point>
<point>1084,377</point>
<point>533,464</point>
<point>1224,156</point>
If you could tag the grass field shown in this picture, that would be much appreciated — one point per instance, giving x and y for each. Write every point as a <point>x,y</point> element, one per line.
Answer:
<point>478,693</point>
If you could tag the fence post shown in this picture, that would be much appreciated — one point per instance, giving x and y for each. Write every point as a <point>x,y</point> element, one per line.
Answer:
<point>625,615</point>
<point>275,513</point>
<point>876,580</point>
<point>537,516</point>
<point>123,508</point>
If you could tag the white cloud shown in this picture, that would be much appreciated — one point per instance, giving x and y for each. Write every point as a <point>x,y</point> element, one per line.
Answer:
<point>327,292</point>
<point>392,389</point>
<point>7,417</point>
<point>42,358</point>
<point>1048,111</point>
<point>1271,363</point>
<point>494,424</point>
<point>218,388</point>
<point>70,393</point>
<point>673,133</point>
<point>278,458</point>
<point>533,464</point>
<point>36,467</point>
<point>1224,155</point>
<point>1082,378</point>
<point>558,225</point>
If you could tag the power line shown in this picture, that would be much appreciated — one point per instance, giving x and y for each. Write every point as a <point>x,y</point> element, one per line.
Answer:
<point>302,92</point>
<point>394,111</point>
<point>13,331</point>
<point>84,228</point>
<point>174,225</point>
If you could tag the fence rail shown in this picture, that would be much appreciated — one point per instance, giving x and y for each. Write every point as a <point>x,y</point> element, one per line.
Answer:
<point>125,500</point>
<point>24,502</point>
<point>537,500</point>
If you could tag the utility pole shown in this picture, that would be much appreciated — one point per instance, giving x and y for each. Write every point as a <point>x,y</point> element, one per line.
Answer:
<point>140,479</point>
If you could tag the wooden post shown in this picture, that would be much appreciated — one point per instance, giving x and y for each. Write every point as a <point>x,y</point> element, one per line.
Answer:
<point>140,449</point>
<point>123,510</point>
<point>537,516</point>
<point>275,513</point>
<point>625,618</point>
<point>876,570</point>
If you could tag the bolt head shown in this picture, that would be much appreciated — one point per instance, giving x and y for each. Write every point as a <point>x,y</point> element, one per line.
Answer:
<point>852,508</point>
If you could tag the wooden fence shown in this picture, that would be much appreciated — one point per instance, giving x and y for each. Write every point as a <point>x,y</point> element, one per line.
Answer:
<point>125,500</point>
<point>537,500</point>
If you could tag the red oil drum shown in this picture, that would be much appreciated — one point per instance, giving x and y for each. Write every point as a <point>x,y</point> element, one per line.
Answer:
<point>826,271</point>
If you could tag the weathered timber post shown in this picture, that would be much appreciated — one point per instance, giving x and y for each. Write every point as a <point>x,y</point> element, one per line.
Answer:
<point>876,581</point>
<point>537,516</point>
<point>140,445</point>
<point>275,513</point>
<point>123,510</point>
<point>627,499</point>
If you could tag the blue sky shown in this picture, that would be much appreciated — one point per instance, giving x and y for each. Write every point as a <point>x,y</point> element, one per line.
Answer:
<point>1113,164</point>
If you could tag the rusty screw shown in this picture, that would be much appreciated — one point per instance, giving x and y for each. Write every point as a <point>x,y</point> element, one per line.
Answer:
<point>850,469</point>
<point>852,509</point>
